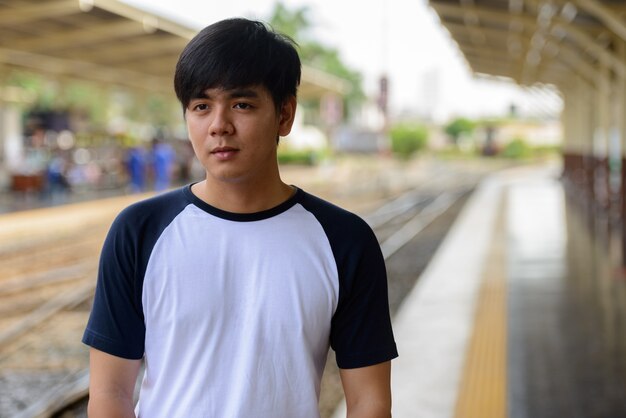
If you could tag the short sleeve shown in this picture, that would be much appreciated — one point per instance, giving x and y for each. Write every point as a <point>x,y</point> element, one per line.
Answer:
<point>116,324</point>
<point>361,332</point>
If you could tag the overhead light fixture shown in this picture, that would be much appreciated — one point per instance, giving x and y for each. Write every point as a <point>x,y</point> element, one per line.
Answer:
<point>552,49</point>
<point>546,13</point>
<point>533,58</point>
<point>569,11</point>
<point>538,40</point>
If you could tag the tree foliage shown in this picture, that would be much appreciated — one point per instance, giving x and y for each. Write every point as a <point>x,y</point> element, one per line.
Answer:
<point>297,24</point>
<point>407,139</point>
<point>458,127</point>
<point>293,23</point>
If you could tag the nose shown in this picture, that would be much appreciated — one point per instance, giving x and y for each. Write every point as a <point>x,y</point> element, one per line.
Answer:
<point>221,123</point>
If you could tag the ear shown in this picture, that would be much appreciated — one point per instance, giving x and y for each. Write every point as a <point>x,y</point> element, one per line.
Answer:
<point>287,115</point>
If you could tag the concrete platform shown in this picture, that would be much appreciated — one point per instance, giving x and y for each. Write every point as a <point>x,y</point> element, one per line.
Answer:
<point>520,314</point>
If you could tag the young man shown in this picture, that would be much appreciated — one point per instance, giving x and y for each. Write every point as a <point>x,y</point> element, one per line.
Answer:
<point>233,288</point>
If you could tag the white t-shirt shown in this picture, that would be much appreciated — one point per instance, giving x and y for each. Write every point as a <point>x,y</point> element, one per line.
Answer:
<point>234,313</point>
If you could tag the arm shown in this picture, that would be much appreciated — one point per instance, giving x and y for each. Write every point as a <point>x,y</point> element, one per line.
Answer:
<point>111,385</point>
<point>368,391</point>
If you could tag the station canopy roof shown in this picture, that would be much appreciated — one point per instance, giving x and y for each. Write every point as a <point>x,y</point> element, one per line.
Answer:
<point>107,41</point>
<point>538,41</point>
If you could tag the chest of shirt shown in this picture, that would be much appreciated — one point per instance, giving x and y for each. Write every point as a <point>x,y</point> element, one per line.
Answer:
<point>279,271</point>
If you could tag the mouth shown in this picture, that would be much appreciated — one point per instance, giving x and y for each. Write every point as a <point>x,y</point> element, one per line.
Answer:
<point>224,153</point>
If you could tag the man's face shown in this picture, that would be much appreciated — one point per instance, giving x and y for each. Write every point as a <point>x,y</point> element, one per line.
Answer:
<point>234,132</point>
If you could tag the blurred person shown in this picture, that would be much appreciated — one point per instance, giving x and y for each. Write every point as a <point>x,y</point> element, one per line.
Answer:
<point>56,172</point>
<point>36,155</point>
<point>136,166</point>
<point>163,158</point>
<point>57,184</point>
<point>233,288</point>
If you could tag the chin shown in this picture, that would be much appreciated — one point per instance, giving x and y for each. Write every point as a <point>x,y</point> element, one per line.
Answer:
<point>230,178</point>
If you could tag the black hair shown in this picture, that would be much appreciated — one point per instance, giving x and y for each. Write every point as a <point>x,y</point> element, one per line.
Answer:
<point>236,53</point>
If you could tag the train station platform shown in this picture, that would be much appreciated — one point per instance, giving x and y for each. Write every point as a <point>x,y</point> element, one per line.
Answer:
<point>520,314</point>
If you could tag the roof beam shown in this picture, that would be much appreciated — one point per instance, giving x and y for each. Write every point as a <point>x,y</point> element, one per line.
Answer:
<point>128,52</point>
<point>150,21</point>
<point>592,47</point>
<point>490,66</point>
<point>324,80</point>
<point>604,14</point>
<point>82,39</point>
<point>472,22</point>
<point>579,66</point>
<point>83,36</point>
<point>515,36</point>
<point>544,13</point>
<point>487,61</point>
<point>496,54</point>
<point>494,33</point>
<point>479,66</point>
<point>550,69</point>
<point>39,10</point>
<point>83,70</point>
<point>156,65</point>
<point>483,13</point>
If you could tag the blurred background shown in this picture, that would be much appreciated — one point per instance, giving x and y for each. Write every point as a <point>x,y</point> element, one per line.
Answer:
<point>87,90</point>
<point>408,110</point>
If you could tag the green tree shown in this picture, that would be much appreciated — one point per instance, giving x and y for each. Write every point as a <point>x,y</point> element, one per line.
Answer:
<point>293,23</point>
<point>518,148</point>
<point>407,139</point>
<point>458,127</point>
<point>297,24</point>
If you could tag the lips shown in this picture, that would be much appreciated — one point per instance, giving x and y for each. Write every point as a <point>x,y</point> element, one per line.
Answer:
<point>224,153</point>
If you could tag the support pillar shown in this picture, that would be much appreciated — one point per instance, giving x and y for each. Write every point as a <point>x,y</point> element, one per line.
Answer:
<point>585,120</point>
<point>571,146</point>
<point>11,140</point>
<point>616,137</point>
<point>601,139</point>
<point>620,47</point>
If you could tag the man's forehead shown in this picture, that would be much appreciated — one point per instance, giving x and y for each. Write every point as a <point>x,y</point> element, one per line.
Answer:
<point>240,91</point>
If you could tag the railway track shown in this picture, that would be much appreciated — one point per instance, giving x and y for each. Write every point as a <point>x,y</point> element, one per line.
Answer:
<point>47,282</point>
<point>48,260</point>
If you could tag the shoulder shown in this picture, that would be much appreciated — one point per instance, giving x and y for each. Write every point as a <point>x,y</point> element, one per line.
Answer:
<point>334,217</point>
<point>350,237</point>
<point>138,227</point>
<point>327,212</point>
<point>152,209</point>
<point>152,214</point>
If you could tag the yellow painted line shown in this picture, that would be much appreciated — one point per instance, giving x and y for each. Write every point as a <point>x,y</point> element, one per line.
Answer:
<point>483,389</point>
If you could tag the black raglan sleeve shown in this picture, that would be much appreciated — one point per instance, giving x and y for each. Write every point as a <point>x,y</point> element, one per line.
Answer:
<point>116,324</point>
<point>361,332</point>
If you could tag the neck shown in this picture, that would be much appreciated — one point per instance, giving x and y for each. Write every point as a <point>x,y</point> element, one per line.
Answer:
<point>243,197</point>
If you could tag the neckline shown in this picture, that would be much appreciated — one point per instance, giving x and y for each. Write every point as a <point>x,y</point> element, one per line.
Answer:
<point>242,217</point>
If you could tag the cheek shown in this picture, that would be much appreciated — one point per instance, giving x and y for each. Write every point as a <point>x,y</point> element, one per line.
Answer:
<point>196,143</point>
<point>196,149</point>
<point>195,136</point>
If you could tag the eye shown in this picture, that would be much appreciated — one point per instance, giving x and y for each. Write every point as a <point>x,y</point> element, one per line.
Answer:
<point>242,106</point>
<point>201,106</point>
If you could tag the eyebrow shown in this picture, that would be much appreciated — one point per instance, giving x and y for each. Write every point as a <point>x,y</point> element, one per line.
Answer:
<point>237,93</point>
